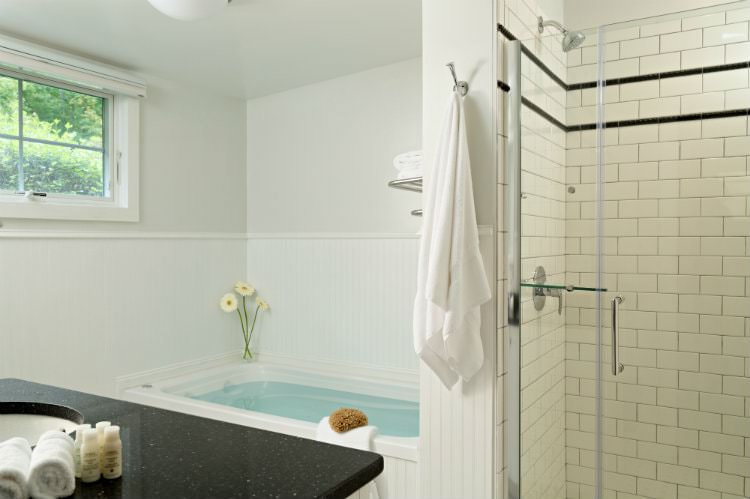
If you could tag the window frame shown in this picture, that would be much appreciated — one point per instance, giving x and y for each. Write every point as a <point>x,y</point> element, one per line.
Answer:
<point>107,148</point>
<point>122,129</point>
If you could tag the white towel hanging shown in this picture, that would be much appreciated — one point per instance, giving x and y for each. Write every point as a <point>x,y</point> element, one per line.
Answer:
<point>451,281</point>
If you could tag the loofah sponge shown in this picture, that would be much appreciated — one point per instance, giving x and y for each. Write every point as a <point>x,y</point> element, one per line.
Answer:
<point>345,419</point>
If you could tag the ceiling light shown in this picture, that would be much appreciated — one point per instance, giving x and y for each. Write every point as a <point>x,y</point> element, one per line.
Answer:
<point>189,10</point>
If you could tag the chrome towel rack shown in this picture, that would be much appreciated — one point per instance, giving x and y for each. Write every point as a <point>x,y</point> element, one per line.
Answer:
<point>414,184</point>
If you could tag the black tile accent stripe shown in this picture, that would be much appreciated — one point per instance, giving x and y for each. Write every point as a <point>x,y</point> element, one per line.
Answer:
<point>528,53</point>
<point>544,114</point>
<point>620,81</point>
<point>626,79</point>
<point>660,76</point>
<point>663,119</point>
<point>506,33</point>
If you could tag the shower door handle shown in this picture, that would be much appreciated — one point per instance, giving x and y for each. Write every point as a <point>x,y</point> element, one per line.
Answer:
<point>513,309</point>
<point>617,366</point>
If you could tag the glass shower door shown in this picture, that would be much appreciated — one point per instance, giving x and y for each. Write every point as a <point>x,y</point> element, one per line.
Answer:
<point>627,231</point>
<point>670,220</point>
<point>535,253</point>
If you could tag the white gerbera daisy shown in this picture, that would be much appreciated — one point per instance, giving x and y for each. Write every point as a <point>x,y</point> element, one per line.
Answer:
<point>261,303</point>
<point>243,288</point>
<point>228,302</point>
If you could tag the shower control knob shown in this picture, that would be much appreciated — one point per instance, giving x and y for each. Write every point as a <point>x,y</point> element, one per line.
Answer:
<point>620,367</point>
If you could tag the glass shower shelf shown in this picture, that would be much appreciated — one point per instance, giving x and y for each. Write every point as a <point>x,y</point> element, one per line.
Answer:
<point>568,288</point>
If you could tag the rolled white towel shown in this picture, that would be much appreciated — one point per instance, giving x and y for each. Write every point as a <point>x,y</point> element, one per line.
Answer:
<point>52,473</point>
<point>15,459</point>
<point>60,439</point>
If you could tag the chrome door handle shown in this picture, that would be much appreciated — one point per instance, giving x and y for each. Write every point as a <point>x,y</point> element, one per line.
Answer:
<point>513,309</point>
<point>617,366</point>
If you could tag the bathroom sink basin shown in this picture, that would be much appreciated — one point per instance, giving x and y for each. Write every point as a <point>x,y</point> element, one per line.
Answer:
<point>30,419</point>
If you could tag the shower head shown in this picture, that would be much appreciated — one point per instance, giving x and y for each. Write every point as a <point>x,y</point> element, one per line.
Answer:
<point>571,39</point>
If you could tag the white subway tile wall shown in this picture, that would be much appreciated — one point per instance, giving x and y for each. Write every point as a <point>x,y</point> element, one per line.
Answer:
<point>677,248</point>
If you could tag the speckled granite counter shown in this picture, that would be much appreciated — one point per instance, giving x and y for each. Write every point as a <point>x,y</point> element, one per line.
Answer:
<point>172,455</point>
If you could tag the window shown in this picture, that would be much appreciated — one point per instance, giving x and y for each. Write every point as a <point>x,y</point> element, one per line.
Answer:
<point>69,136</point>
<point>54,140</point>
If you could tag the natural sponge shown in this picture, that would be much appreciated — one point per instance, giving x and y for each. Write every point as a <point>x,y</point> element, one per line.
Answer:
<point>346,418</point>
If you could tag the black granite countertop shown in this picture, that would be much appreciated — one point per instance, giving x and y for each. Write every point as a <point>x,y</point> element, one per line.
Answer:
<point>172,455</point>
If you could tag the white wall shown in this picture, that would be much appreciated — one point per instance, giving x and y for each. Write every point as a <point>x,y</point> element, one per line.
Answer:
<point>464,33</point>
<point>332,247</point>
<point>148,299</point>
<point>582,14</point>
<point>456,458</point>
<point>320,156</point>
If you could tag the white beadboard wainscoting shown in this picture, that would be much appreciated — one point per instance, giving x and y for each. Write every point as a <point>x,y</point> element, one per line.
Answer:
<point>338,297</point>
<point>456,455</point>
<point>80,309</point>
<point>400,480</point>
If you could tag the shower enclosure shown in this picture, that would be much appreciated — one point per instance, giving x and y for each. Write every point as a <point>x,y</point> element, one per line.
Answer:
<point>627,242</point>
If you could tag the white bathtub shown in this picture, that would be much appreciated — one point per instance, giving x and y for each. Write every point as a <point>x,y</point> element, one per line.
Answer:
<point>167,391</point>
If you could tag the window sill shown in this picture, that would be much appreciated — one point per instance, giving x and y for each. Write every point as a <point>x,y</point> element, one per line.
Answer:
<point>51,209</point>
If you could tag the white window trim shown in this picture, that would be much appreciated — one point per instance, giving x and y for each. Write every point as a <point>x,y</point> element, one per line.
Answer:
<point>122,206</point>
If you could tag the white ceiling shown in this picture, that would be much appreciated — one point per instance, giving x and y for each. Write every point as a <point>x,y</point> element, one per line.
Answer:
<point>253,48</point>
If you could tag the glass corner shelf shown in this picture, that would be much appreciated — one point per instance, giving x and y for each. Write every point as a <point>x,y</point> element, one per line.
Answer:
<point>569,287</point>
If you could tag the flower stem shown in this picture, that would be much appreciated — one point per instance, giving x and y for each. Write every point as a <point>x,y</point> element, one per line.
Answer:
<point>247,354</point>
<point>245,335</point>
<point>255,318</point>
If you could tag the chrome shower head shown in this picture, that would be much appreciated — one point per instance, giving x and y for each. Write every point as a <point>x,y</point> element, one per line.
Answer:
<point>571,39</point>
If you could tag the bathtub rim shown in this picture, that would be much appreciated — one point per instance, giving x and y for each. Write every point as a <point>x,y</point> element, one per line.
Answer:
<point>148,388</point>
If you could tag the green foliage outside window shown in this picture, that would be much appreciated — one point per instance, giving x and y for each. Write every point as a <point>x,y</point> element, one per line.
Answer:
<point>63,117</point>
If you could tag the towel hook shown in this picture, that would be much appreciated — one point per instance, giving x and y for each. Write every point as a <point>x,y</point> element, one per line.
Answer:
<point>461,86</point>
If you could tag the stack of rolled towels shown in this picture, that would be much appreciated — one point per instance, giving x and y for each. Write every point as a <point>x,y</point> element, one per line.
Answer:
<point>46,472</point>
<point>408,164</point>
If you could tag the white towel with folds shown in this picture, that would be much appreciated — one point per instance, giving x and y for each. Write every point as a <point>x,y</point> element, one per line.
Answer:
<point>451,281</point>
<point>15,459</point>
<point>52,473</point>
<point>358,438</point>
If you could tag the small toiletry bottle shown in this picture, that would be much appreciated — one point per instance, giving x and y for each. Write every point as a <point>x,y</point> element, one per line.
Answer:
<point>100,427</point>
<point>112,453</point>
<point>90,457</point>
<point>77,447</point>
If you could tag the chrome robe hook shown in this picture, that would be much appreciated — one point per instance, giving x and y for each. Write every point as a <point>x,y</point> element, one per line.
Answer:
<point>461,86</point>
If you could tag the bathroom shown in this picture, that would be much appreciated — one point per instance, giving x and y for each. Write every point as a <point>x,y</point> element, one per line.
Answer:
<point>254,141</point>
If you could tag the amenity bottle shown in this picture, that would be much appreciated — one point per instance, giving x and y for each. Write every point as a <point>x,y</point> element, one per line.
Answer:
<point>111,455</point>
<point>100,427</point>
<point>90,457</point>
<point>77,447</point>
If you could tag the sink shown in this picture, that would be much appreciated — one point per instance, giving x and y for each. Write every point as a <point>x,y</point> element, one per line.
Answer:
<point>30,419</point>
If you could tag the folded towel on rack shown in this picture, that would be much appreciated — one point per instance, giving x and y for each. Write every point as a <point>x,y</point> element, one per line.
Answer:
<point>408,160</point>
<point>410,172</point>
<point>51,473</point>
<point>451,280</point>
<point>15,459</point>
<point>359,438</point>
